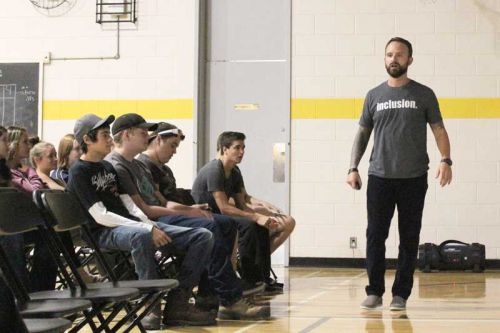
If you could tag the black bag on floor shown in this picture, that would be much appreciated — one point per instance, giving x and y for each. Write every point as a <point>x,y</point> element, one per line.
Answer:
<point>451,255</point>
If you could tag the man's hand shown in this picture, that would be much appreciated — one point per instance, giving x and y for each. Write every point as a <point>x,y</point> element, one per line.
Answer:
<point>160,238</point>
<point>444,174</point>
<point>354,180</point>
<point>268,222</point>
<point>196,212</point>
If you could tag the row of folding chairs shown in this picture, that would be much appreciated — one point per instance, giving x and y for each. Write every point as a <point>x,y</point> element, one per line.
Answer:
<point>98,304</point>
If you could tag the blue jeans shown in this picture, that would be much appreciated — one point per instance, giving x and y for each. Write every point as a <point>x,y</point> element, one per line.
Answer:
<point>221,276</point>
<point>195,244</point>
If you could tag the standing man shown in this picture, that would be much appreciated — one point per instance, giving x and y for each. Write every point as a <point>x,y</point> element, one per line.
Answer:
<point>398,111</point>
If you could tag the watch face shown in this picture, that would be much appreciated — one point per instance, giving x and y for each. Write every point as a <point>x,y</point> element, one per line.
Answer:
<point>447,161</point>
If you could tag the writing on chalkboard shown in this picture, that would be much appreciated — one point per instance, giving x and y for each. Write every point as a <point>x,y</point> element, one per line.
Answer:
<point>19,95</point>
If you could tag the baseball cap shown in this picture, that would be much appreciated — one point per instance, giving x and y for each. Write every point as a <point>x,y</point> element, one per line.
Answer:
<point>130,120</point>
<point>89,122</point>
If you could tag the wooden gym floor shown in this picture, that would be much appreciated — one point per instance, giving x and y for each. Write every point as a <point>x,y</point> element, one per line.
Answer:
<point>327,300</point>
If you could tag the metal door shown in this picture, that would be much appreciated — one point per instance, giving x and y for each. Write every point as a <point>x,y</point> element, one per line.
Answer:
<point>247,89</point>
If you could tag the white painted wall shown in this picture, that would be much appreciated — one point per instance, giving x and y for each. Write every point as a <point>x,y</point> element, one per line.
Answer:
<point>156,59</point>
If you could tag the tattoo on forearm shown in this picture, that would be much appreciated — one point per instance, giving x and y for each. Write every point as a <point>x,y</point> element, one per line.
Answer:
<point>359,146</point>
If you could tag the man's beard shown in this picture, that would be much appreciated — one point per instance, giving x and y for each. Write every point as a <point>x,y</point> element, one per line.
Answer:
<point>397,71</point>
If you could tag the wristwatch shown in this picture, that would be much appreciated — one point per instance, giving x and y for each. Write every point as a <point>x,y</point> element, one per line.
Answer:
<point>352,170</point>
<point>447,161</point>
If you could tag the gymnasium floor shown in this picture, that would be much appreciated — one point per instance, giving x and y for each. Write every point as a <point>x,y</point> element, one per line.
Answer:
<point>327,300</point>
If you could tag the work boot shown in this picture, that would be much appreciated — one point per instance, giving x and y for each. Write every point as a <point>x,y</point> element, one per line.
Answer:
<point>179,312</point>
<point>242,309</point>
<point>207,302</point>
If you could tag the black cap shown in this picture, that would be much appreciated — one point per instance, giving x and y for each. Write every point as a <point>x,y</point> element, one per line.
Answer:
<point>130,120</point>
<point>89,122</point>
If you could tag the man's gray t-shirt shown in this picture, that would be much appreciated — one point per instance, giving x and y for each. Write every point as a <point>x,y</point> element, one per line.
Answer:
<point>134,178</point>
<point>211,179</point>
<point>399,117</point>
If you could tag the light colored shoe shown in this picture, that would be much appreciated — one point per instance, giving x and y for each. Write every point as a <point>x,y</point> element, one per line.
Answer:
<point>372,302</point>
<point>252,288</point>
<point>152,321</point>
<point>242,309</point>
<point>398,304</point>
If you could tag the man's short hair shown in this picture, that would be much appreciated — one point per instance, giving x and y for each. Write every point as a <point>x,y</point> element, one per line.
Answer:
<point>225,139</point>
<point>403,41</point>
<point>92,135</point>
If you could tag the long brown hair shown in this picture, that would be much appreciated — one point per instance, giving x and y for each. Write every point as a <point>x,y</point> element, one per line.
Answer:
<point>15,134</point>
<point>64,150</point>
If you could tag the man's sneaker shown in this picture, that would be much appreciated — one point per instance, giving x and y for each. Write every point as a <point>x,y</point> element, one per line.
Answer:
<point>371,302</point>
<point>398,304</point>
<point>273,287</point>
<point>151,322</point>
<point>252,288</point>
<point>242,309</point>
<point>179,312</point>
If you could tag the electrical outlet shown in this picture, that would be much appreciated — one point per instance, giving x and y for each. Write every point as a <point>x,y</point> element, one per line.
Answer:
<point>353,242</point>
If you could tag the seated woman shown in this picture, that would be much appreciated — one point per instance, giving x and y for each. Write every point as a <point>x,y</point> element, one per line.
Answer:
<point>9,317</point>
<point>43,158</point>
<point>44,270</point>
<point>68,153</point>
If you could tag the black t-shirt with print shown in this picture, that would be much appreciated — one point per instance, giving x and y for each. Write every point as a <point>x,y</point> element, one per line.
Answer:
<point>94,182</point>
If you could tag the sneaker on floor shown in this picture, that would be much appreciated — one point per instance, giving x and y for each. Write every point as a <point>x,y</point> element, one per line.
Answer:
<point>151,322</point>
<point>398,304</point>
<point>274,287</point>
<point>252,288</point>
<point>372,302</point>
<point>242,309</point>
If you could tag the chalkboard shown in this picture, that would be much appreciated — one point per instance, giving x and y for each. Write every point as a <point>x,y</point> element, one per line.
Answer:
<point>19,95</point>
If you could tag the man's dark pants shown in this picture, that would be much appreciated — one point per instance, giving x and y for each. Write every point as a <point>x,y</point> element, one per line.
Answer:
<point>383,195</point>
<point>254,250</point>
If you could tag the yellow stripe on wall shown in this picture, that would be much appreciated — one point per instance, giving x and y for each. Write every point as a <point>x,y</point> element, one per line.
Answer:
<point>350,108</point>
<point>302,108</point>
<point>149,109</point>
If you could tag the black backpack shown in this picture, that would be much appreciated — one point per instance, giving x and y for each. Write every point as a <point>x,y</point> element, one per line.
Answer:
<point>451,255</point>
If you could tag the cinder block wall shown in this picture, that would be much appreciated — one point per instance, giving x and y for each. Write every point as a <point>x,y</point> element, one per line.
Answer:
<point>338,49</point>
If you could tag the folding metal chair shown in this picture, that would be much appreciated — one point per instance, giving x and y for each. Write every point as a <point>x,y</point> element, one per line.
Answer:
<point>19,214</point>
<point>64,212</point>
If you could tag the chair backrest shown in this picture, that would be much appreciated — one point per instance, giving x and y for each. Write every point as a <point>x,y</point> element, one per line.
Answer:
<point>65,209</point>
<point>8,189</point>
<point>17,213</point>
